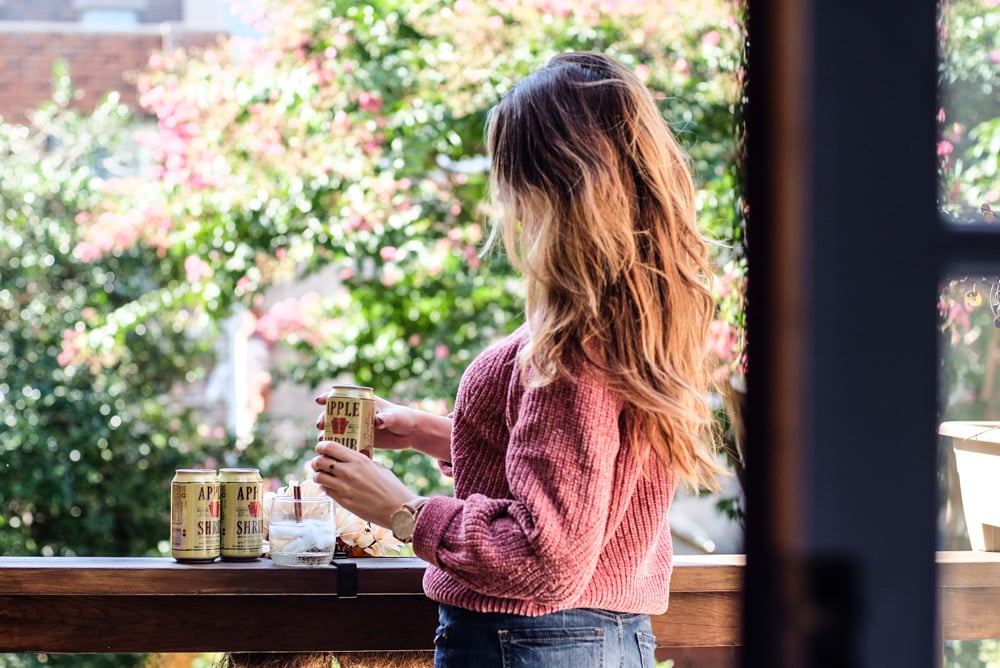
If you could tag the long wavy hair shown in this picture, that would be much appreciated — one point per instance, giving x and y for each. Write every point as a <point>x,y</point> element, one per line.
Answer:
<point>596,208</point>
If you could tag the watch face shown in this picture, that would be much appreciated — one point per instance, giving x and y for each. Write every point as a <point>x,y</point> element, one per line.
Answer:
<point>402,524</point>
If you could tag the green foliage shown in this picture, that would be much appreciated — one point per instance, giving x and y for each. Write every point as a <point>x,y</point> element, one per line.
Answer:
<point>86,452</point>
<point>74,445</point>
<point>972,654</point>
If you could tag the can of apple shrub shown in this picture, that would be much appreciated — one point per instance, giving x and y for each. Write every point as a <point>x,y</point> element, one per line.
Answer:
<point>242,494</point>
<point>194,516</point>
<point>350,417</point>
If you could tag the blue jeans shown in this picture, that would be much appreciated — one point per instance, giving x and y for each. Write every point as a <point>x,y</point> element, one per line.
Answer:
<point>583,638</point>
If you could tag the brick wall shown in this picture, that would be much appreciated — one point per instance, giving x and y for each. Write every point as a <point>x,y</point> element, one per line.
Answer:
<point>98,62</point>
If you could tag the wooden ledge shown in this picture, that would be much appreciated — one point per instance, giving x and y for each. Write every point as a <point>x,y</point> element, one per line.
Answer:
<point>150,576</point>
<point>104,604</point>
<point>99,604</point>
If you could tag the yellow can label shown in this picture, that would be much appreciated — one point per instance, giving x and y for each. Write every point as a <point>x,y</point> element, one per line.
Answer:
<point>242,514</point>
<point>350,418</point>
<point>194,518</point>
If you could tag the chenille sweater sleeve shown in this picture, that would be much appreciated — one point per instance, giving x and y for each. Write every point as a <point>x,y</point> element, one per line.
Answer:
<point>542,543</point>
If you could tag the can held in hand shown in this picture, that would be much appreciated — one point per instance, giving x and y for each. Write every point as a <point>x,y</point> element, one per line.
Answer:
<point>194,516</point>
<point>242,493</point>
<point>350,417</point>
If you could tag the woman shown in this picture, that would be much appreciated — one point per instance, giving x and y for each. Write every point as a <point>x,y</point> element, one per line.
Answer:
<point>569,436</point>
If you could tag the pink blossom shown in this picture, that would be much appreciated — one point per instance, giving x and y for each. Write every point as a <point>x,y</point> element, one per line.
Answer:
<point>472,258</point>
<point>723,339</point>
<point>355,222</point>
<point>109,231</point>
<point>441,352</point>
<point>959,316</point>
<point>388,253</point>
<point>711,38</point>
<point>370,102</point>
<point>463,7</point>
<point>87,252</point>
<point>414,340</point>
<point>944,148</point>
<point>289,316</point>
<point>391,275</point>
<point>642,72</point>
<point>70,349</point>
<point>995,53</point>
<point>197,269</point>
<point>243,285</point>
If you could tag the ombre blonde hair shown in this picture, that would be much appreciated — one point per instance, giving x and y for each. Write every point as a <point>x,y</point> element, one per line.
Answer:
<point>596,208</point>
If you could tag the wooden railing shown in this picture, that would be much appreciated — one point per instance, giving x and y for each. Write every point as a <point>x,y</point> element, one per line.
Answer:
<point>108,605</point>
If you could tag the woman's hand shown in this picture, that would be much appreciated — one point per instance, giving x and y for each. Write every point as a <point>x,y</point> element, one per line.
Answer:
<point>362,486</point>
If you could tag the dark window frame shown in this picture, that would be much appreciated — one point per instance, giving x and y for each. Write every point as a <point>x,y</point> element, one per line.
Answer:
<point>846,255</point>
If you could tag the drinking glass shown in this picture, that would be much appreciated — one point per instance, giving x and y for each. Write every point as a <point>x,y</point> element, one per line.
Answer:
<point>302,532</point>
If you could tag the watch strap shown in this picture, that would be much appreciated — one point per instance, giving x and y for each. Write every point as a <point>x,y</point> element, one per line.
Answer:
<point>416,505</point>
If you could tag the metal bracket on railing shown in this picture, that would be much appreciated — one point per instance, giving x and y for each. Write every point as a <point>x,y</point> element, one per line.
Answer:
<point>347,579</point>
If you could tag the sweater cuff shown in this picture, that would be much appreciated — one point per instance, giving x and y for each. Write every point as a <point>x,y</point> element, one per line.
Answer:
<point>432,523</point>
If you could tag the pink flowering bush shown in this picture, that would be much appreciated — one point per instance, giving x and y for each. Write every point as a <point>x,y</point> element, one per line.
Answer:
<point>349,138</point>
<point>344,148</point>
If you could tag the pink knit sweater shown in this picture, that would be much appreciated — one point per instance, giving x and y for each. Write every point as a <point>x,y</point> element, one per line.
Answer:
<point>552,510</point>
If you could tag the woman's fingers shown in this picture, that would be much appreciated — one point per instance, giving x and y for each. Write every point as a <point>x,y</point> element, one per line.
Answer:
<point>366,488</point>
<point>338,451</point>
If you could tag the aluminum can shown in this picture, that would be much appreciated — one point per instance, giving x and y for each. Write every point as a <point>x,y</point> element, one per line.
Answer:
<point>194,515</point>
<point>242,493</point>
<point>350,417</point>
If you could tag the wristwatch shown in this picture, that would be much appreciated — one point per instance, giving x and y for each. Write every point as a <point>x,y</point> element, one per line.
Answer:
<point>404,519</point>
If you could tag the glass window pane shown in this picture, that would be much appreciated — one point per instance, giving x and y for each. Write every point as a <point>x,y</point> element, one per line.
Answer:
<point>969,118</point>
<point>968,153</point>
<point>969,460</point>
